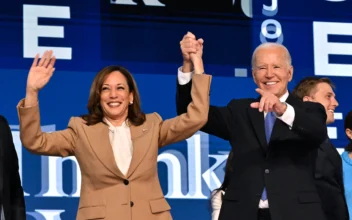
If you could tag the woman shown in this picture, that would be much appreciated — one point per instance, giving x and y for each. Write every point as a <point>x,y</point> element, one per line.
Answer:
<point>217,194</point>
<point>116,144</point>
<point>347,163</point>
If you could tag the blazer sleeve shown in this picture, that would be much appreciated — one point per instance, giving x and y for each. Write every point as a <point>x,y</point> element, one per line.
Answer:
<point>18,210</point>
<point>58,143</point>
<point>188,123</point>
<point>219,118</point>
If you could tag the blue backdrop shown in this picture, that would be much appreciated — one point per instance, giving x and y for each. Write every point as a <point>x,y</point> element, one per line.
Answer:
<point>143,36</point>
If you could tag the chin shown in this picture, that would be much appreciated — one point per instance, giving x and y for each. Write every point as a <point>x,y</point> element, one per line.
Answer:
<point>330,121</point>
<point>274,91</point>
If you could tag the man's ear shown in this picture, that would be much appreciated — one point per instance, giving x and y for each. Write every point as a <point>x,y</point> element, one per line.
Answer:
<point>254,76</point>
<point>349,133</point>
<point>307,99</point>
<point>290,73</point>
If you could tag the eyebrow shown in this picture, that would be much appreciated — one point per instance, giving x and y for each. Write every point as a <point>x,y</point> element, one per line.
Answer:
<point>119,84</point>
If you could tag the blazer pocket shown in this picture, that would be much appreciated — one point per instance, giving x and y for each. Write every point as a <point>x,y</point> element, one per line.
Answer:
<point>159,205</point>
<point>308,197</point>
<point>93,212</point>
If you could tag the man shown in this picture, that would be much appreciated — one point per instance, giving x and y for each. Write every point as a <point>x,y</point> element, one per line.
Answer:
<point>274,139</point>
<point>11,193</point>
<point>328,171</point>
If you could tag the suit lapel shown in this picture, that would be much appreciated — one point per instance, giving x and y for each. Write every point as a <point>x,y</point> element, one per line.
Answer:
<point>140,144</point>
<point>257,119</point>
<point>280,126</point>
<point>2,163</point>
<point>332,153</point>
<point>98,137</point>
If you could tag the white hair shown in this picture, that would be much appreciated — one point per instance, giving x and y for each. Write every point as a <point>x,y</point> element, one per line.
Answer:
<point>271,45</point>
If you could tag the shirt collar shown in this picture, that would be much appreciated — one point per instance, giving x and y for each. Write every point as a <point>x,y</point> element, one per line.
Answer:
<point>112,127</point>
<point>284,97</point>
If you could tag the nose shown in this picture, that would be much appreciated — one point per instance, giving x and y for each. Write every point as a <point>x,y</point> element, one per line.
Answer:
<point>334,102</point>
<point>113,93</point>
<point>269,73</point>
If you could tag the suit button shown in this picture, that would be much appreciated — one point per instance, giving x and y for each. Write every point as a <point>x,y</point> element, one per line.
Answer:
<point>267,171</point>
<point>126,182</point>
<point>131,204</point>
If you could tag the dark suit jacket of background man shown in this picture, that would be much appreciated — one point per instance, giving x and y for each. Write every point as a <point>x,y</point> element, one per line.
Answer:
<point>11,192</point>
<point>285,166</point>
<point>329,182</point>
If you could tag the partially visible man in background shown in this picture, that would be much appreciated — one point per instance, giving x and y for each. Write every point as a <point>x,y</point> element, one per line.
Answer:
<point>11,193</point>
<point>12,204</point>
<point>328,173</point>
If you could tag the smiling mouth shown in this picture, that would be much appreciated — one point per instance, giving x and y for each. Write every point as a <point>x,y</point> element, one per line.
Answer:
<point>114,104</point>
<point>270,83</point>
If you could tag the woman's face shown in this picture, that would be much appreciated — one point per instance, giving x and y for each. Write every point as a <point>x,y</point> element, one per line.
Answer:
<point>115,97</point>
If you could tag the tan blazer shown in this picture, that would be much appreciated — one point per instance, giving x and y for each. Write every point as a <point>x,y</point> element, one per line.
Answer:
<point>105,192</point>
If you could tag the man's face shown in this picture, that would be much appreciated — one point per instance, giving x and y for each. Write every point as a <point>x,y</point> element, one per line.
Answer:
<point>324,95</point>
<point>272,72</point>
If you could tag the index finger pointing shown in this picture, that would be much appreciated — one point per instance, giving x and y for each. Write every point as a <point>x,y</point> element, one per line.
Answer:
<point>260,91</point>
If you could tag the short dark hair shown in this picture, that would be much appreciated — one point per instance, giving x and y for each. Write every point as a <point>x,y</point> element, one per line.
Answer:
<point>95,114</point>
<point>348,124</point>
<point>348,120</point>
<point>307,86</point>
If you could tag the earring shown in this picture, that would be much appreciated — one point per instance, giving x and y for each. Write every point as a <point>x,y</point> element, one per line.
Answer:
<point>131,102</point>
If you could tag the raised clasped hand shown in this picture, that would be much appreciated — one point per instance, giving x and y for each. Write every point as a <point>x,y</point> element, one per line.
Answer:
<point>192,51</point>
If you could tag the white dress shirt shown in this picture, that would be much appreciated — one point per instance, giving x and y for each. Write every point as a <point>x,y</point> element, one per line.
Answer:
<point>2,213</point>
<point>120,139</point>
<point>216,202</point>
<point>288,116</point>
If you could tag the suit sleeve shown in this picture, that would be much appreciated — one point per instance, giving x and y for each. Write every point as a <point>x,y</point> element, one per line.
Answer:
<point>18,210</point>
<point>58,143</point>
<point>310,122</point>
<point>188,123</point>
<point>219,118</point>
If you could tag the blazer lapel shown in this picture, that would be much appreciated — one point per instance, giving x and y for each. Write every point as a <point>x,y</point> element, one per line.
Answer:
<point>257,119</point>
<point>140,144</point>
<point>98,137</point>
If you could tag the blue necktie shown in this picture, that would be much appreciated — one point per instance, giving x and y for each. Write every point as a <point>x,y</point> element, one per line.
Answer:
<point>269,124</point>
